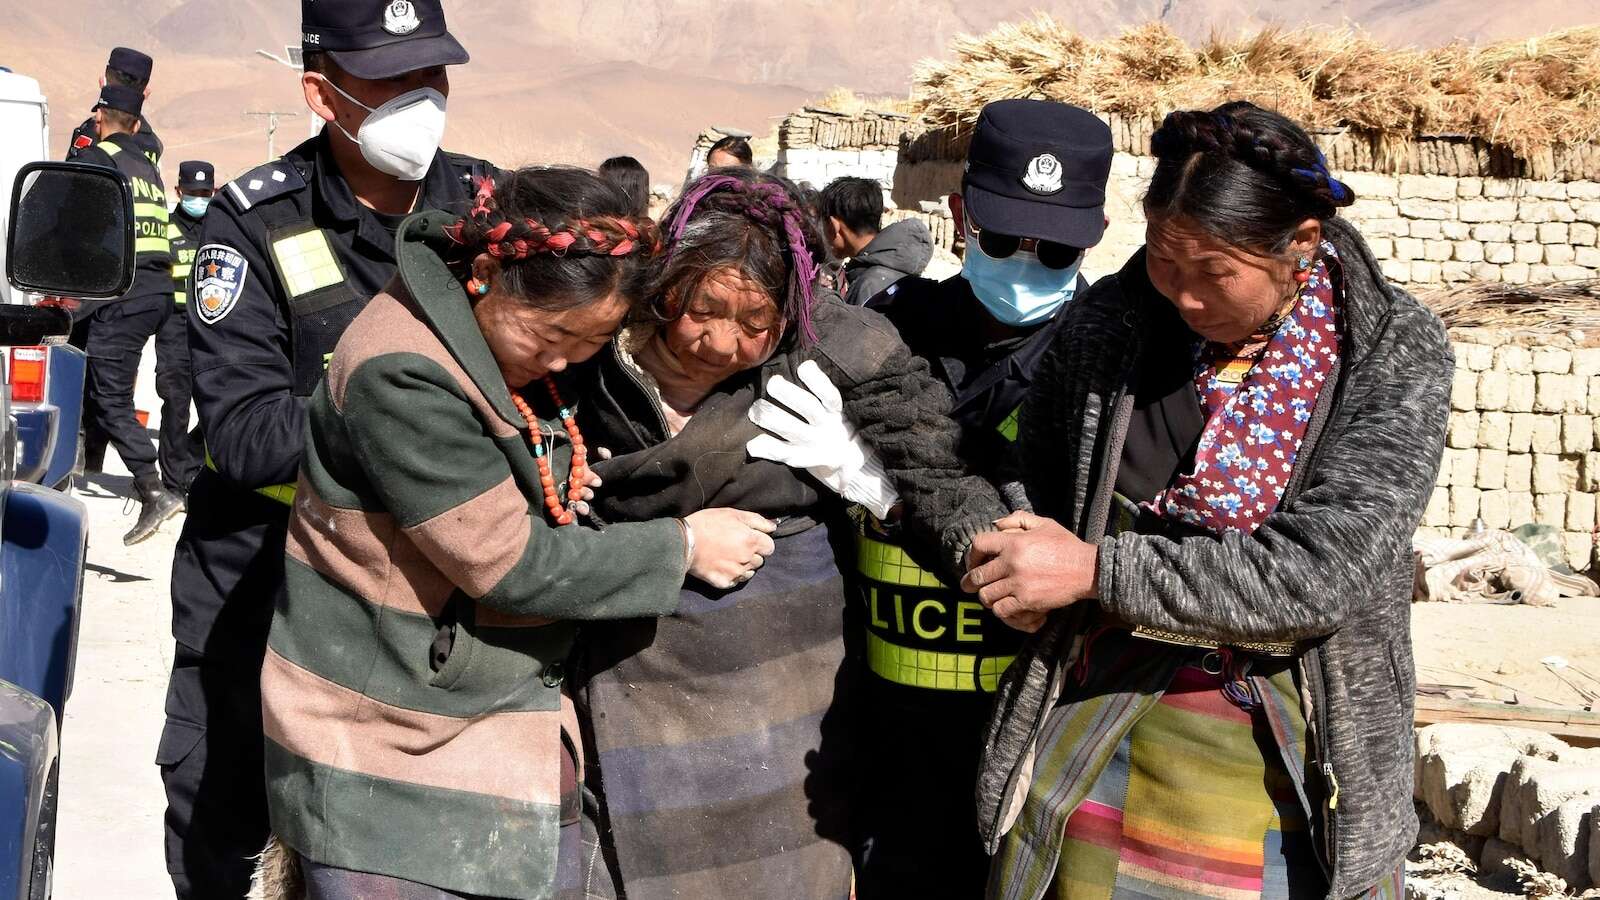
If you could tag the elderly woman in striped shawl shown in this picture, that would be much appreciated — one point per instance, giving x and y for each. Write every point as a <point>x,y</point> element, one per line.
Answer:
<point>721,732</point>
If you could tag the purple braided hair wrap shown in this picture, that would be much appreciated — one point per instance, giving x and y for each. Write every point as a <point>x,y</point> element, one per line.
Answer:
<point>763,197</point>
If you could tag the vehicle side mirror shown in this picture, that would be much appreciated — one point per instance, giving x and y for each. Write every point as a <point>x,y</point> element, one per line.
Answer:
<point>71,231</point>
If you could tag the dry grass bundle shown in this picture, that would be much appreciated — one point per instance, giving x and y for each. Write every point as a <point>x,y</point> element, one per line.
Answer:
<point>1551,306</point>
<point>847,102</point>
<point>1525,95</point>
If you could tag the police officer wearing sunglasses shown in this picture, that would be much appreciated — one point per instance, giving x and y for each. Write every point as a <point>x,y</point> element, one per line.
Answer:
<point>1032,202</point>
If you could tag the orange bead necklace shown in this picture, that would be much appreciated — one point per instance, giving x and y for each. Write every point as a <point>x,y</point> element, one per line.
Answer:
<point>577,477</point>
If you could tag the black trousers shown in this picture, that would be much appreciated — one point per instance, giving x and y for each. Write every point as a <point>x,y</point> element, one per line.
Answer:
<point>118,332</point>
<point>212,766</point>
<point>93,440</point>
<point>918,822</point>
<point>180,452</point>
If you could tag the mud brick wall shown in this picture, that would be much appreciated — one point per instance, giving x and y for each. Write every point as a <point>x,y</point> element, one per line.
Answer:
<point>817,146</point>
<point>1427,230</point>
<point>1523,440</point>
<point>1436,211</point>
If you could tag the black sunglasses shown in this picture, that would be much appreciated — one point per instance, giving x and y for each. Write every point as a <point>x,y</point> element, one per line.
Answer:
<point>1051,255</point>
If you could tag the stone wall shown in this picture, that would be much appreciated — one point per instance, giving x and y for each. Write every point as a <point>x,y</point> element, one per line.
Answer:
<point>1509,793</point>
<point>1524,431</point>
<point>1426,229</point>
<point>816,146</point>
<point>1435,211</point>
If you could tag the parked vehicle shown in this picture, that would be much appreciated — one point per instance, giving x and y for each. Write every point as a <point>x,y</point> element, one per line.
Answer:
<point>69,233</point>
<point>46,383</point>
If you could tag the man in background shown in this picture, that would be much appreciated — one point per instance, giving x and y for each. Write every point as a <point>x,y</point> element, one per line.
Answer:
<point>119,330</point>
<point>851,210</point>
<point>128,68</point>
<point>180,452</point>
<point>629,174</point>
<point>730,151</point>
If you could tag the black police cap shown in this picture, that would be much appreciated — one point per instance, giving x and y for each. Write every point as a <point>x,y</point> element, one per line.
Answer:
<point>122,98</point>
<point>375,39</point>
<point>196,175</point>
<point>130,62</point>
<point>1038,169</point>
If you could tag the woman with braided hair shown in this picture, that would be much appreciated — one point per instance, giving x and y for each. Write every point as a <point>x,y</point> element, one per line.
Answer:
<point>722,733</point>
<point>420,744</point>
<point>1228,448</point>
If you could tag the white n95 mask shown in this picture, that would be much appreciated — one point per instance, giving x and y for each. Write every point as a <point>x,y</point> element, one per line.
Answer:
<point>400,137</point>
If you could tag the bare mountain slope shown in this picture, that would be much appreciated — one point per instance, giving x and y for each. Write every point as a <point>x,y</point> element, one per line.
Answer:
<point>579,82</point>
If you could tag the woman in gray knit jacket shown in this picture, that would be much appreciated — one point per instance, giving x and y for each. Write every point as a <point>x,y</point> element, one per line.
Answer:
<point>1228,451</point>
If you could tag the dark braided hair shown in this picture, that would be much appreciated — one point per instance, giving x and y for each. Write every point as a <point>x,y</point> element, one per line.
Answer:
<point>564,237</point>
<point>752,223</point>
<point>1244,175</point>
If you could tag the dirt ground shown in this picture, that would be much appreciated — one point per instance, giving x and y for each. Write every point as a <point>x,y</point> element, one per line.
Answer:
<point>1498,649</point>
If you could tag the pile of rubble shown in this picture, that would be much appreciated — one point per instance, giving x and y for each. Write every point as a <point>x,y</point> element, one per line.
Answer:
<point>1513,798</point>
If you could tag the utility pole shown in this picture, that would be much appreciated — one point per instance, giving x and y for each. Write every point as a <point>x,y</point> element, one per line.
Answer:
<point>294,58</point>
<point>271,116</point>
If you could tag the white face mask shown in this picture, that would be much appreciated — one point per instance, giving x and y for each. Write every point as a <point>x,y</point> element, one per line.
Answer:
<point>400,137</point>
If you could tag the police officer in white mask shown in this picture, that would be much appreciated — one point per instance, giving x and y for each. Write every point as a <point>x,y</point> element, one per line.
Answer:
<point>289,254</point>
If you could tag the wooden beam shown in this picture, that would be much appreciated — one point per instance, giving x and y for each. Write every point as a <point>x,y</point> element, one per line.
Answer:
<point>1577,727</point>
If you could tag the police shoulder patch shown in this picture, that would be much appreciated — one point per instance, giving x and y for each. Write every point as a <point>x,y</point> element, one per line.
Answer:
<point>219,277</point>
<point>265,182</point>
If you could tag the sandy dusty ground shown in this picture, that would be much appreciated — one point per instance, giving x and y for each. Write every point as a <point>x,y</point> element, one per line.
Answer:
<point>109,842</point>
<point>109,839</point>
<point>1498,649</point>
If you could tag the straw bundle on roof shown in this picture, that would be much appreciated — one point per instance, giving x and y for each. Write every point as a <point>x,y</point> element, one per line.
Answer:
<point>1525,95</point>
<point>1556,305</point>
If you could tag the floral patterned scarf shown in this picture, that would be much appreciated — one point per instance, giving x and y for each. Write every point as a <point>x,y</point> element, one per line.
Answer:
<point>1254,426</point>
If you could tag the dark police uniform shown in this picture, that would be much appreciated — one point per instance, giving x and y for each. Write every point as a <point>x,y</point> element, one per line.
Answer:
<point>83,138</point>
<point>935,654</point>
<point>180,455</point>
<point>118,331</point>
<point>288,258</point>
<point>135,65</point>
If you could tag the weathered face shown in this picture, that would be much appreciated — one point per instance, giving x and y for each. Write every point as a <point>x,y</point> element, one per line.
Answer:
<point>1223,293</point>
<point>529,343</point>
<point>729,325</point>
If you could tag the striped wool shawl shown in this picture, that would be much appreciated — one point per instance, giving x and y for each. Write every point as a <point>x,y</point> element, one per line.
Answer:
<point>418,517</point>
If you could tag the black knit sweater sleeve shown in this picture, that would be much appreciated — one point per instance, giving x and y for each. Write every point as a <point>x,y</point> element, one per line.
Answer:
<point>903,412</point>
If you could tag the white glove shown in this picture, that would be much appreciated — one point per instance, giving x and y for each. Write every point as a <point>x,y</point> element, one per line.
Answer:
<point>820,440</point>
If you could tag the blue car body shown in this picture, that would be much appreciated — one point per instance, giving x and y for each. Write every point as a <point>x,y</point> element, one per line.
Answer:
<point>43,543</point>
<point>43,535</point>
<point>28,781</point>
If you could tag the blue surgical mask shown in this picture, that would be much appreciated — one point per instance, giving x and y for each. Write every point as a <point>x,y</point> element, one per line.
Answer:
<point>195,206</point>
<point>1018,290</point>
